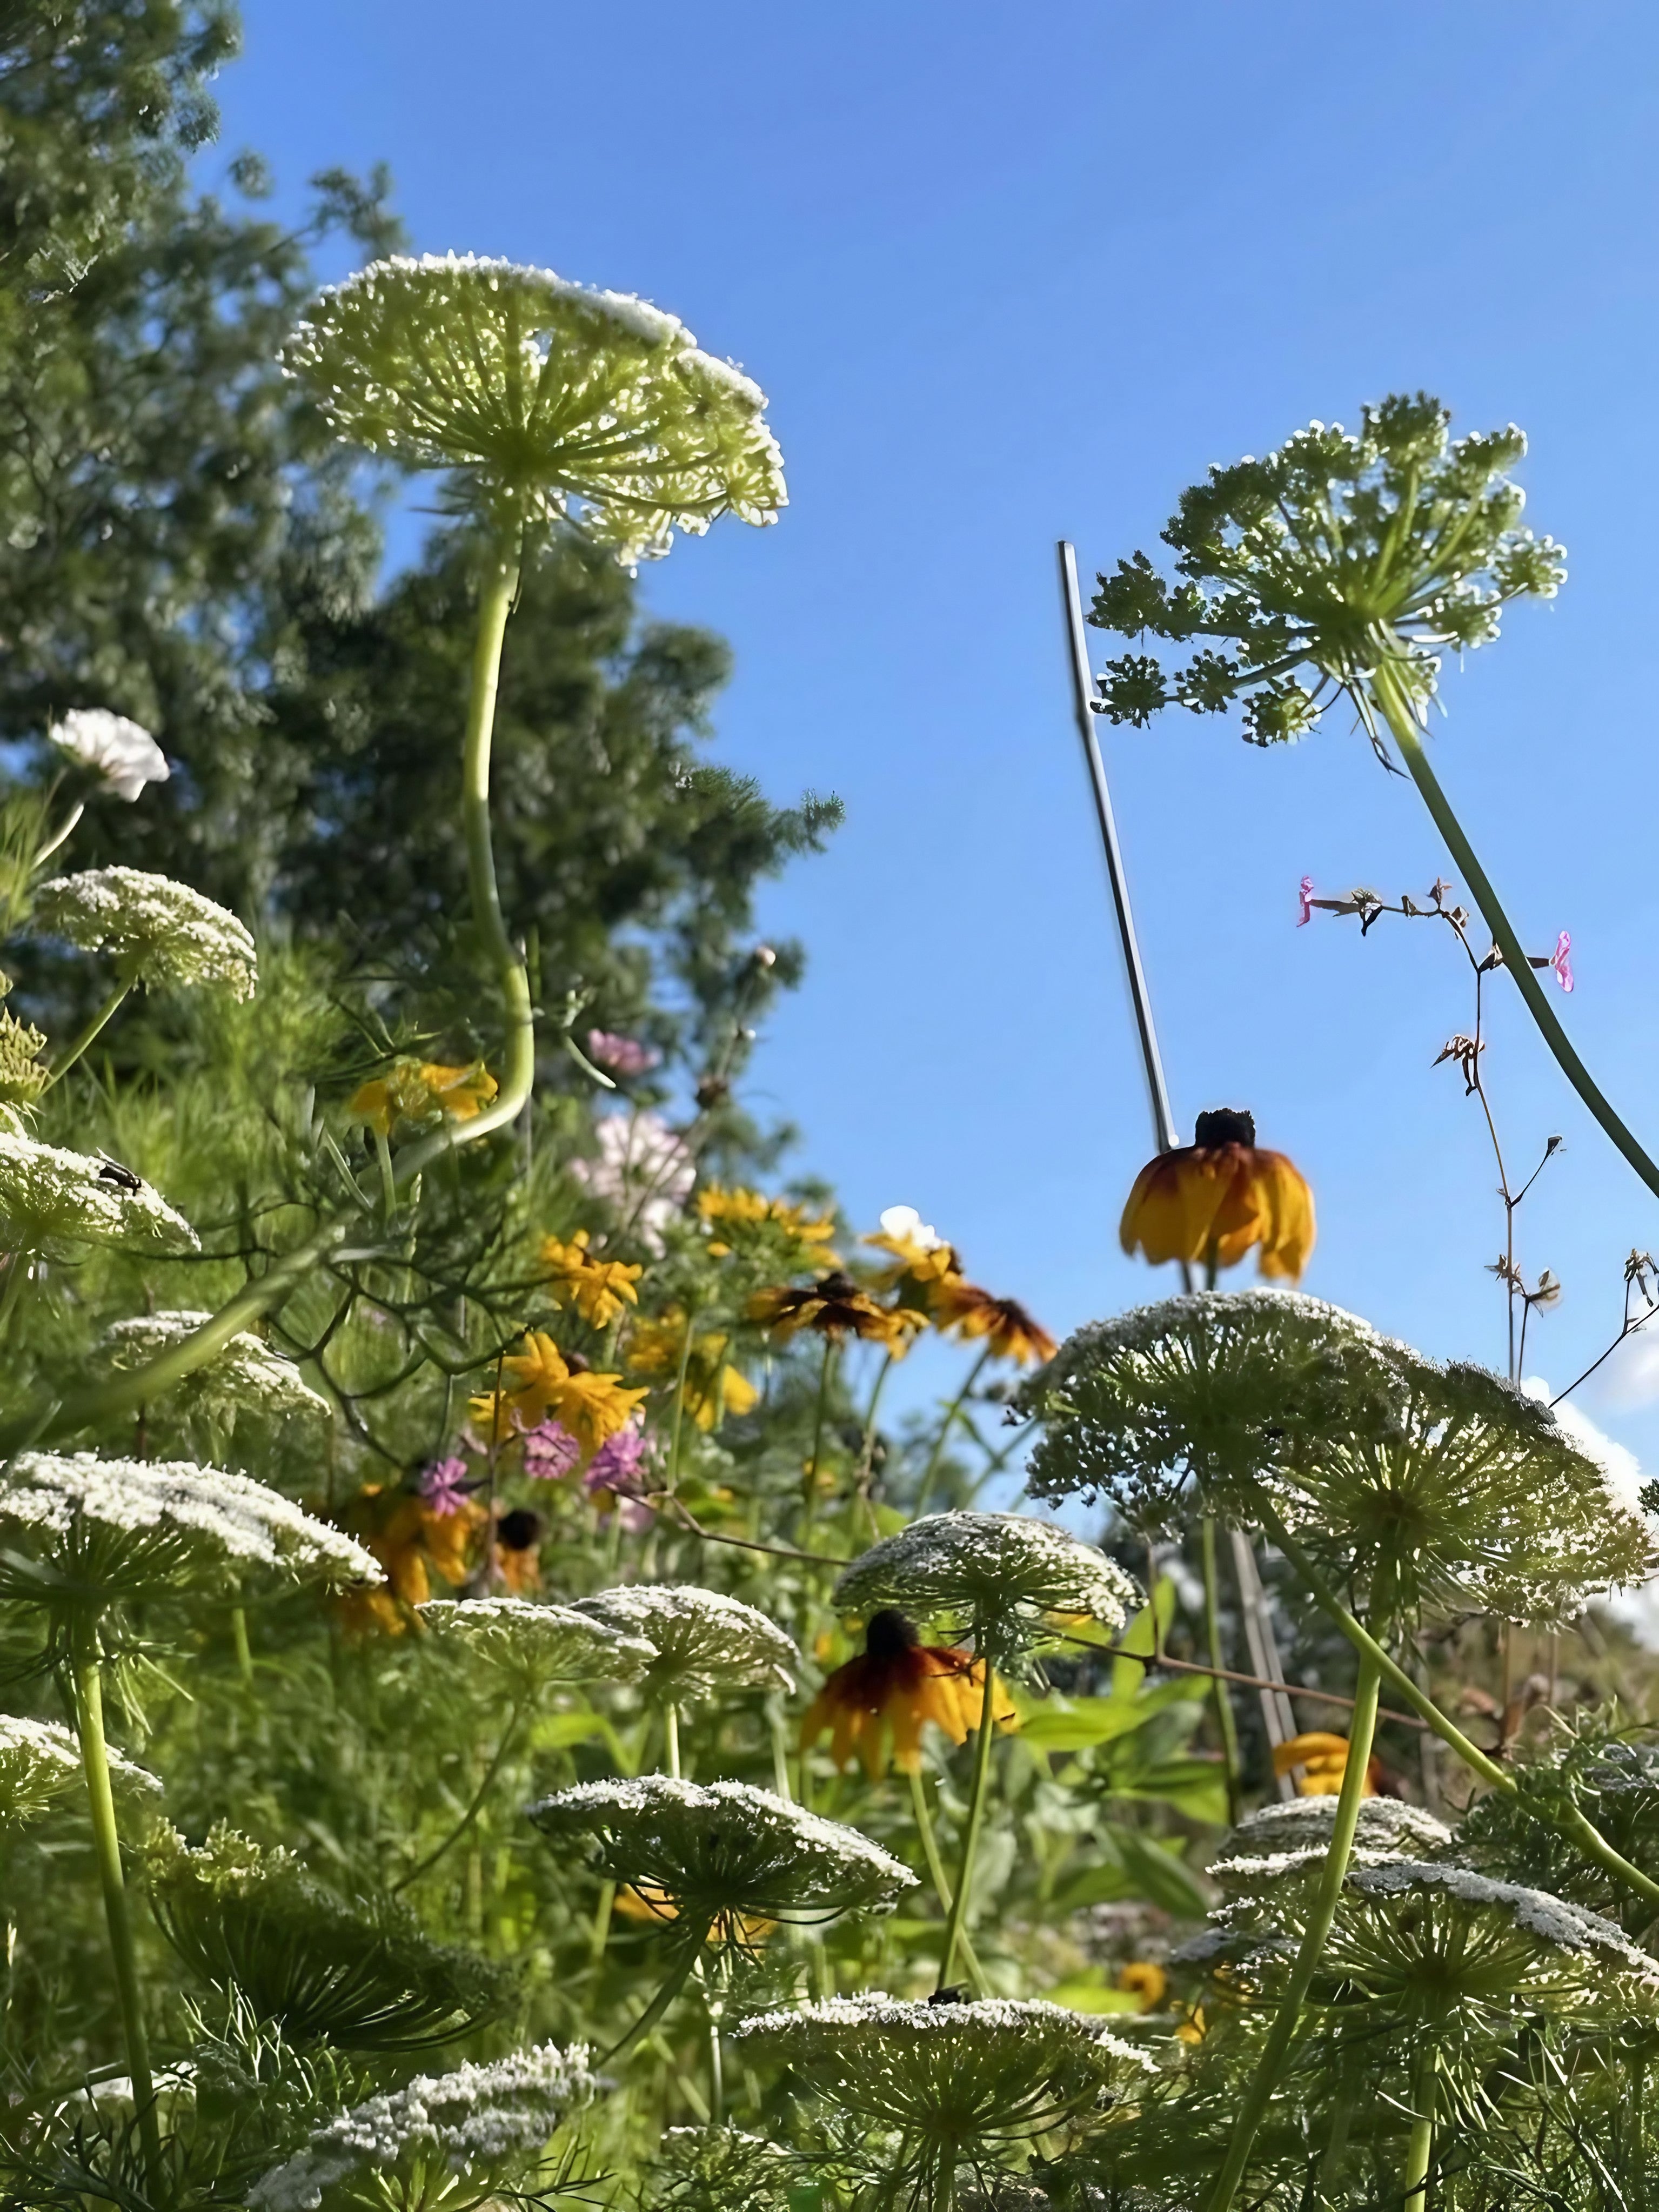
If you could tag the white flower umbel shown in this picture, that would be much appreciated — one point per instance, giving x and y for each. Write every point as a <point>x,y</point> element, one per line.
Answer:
<point>1000,1575</point>
<point>952,2079</point>
<point>717,1854</point>
<point>125,754</point>
<point>50,1197</point>
<point>244,1376</point>
<point>644,1172</point>
<point>704,1642</point>
<point>486,2124</point>
<point>1386,1823</point>
<point>158,933</point>
<point>558,399</point>
<point>40,1764</point>
<point>535,1646</point>
<point>79,1529</point>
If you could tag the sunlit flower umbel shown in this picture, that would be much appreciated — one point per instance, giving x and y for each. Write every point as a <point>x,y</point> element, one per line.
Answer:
<point>40,1765</point>
<point>244,1376</point>
<point>121,752</point>
<point>723,1852</point>
<point>1211,1202</point>
<point>1002,1576</point>
<point>158,933</point>
<point>460,2139</point>
<point>704,1642</point>
<point>875,1705</point>
<point>559,399</point>
<point>50,1197</point>
<point>535,1646</point>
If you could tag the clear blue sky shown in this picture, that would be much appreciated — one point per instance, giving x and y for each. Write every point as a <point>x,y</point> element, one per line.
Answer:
<point>1011,273</point>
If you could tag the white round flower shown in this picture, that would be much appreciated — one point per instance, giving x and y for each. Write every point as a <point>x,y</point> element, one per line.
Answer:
<point>534,1644</point>
<point>644,1172</point>
<point>41,1763</point>
<point>703,1640</point>
<point>158,933</point>
<point>244,1376</point>
<point>49,1197</point>
<point>125,754</point>
<point>906,1226</point>
<point>1301,1824</point>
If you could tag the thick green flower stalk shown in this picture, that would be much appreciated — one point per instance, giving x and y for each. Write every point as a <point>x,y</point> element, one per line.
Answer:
<point>1345,567</point>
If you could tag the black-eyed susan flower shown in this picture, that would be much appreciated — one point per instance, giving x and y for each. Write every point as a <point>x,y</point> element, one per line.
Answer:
<point>924,1256</point>
<point>750,1220</point>
<point>1010,1333</point>
<point>597,1289</point>
<point>1146,1981</point>
<point>834,1307</point>
<point>1318,1760</point>
<point>1211,1202</point>
<point>411,1539</point>
<point>417,1094</point>
<point>538,1381</point>
<point>876,1704</point>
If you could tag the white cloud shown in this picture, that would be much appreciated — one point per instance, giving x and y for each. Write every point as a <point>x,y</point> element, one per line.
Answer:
<point>1631,1377</point>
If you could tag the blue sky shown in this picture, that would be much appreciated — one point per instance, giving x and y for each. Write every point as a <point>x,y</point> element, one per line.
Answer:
<point>1015,273</point>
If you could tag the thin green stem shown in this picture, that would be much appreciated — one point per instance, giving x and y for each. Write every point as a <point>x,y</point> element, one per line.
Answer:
<point>1258,2094</point>
<point>1409,738</point>
<point>947,1425</point>
<point>1571,1821</point>
<point>673,1476</point>
<point>18,1266</point>
<point>1420,2144</point>
<point>388,1174</point>
<point>940,1880</point>
<point>85,1666</point>
<point>1223,1703</point>
<point>671,1738</point>
<point>976,1814</point>
<point>107,1012</point>
<point>474,1808</point>
<point>867,1447</point>
<point>599,1935</point>
<point>677,1978</point>
<point>239,1638</point>
<point>810,1480</point>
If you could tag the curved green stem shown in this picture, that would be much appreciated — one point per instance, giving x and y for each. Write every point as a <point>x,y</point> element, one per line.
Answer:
<point>1409,738</point>
<point>941,1881</point>
<point>1223,1703</point>
<point>1258,2094</point>
<point>947,1425</point>
<point>107,1012</point>
<point>671,1482</point>
<point>85,1664</point>
<point>677,1978</point>
<point>474,1808</point>
<point>1572,1822</point>
<point>953,1926</point>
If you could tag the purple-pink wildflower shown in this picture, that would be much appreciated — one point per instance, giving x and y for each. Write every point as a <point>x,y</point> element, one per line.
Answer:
<point>618,1470</point>
<point>623,1055</point>
<point>1304,894</point>
<point>1560,960</point>
<point>445,1485</point>
<point>550,1452</point>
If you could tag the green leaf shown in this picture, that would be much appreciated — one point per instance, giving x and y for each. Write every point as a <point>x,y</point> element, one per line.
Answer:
<point>1132,1865</point>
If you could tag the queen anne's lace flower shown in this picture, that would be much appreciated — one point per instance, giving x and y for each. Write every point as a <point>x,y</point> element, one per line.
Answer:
<point>536,1645</point>
<point>704,1642</point>
<point>40,1763</point>
<point>722,1852</point>
<point>158,933</point>
<point>1386,1823</point>
<point>244,1376</point>
<point>123,754</point>
<point>1000,1575</point>
<point>486,2122</point>
<point>104,1530</point>
<point>50,1197</point>
<point>549,393</point>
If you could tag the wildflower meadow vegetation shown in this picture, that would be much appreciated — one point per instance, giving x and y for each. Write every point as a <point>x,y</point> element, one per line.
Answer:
<point>494,1708</point>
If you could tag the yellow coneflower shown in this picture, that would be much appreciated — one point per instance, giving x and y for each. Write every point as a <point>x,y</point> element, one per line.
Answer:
<point>414,1093</point>
<point>730,1213</point>
<point>714,1388</point>
<point>1010,1332</point>
<point>895,1685</point>
<point>598,1289</point>
<point>1211,1201</point>
<point>834,1306</point>
<point>408,1536</point>
<point>539,1381</point>
<point>1322,1761</point>
<point>924,1256</point>
<point>1146,1979</point>
<point>518,1534</point>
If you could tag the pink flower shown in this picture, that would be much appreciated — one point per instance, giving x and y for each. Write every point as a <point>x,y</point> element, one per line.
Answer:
<point>445,1485</point>
<point>1561,963</point>
<point>550,1452</point>
<point>621,1055</point>
<point>619,1472</point>
<point>1305,893</point>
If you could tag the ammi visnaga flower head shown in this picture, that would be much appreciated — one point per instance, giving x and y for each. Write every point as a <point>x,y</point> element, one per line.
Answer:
<point>159,933</point>
<point>1211,1202</point>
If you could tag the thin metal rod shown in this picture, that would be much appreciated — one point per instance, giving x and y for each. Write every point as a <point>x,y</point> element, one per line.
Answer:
<point>1083,694</point>
<point>1278,1717</point>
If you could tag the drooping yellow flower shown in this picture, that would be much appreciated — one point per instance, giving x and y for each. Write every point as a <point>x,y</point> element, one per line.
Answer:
<point>408,1536</point>
<point>835,1306</point>
<point>1011,1332</point>
<point>416,1094</point>
<point>1146,1979</point>
<point>714,1388</point>
<point>539,1381</point>
<point>739,1218</point>
<point>598,1289</point>
<point>1319,1761</point>
<point>1212,1201</point>
<point>896,1684</point>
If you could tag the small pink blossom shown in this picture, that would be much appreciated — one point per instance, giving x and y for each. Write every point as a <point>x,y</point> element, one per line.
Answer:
<point>550,1452</point>
<point>623,1055</point>
<point>619,1471</point>
<point>445,1485</point>
<point>1561,961</point>
<point>1304,894</point>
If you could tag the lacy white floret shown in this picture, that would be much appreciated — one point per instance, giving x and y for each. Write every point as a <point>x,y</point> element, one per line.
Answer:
<point>704,1641</point>
<point>244,1375</point>
<point>476,2118</point>
<point>48,1196</point>
<point>220,1519</point>
<point>548,1643</point>
<point>995,1570</point>
<point>833,2022</point>
<point>1300,1823</point>
<point>1552,1919</point>
<point>157,931</point>
<point>40,1762</point>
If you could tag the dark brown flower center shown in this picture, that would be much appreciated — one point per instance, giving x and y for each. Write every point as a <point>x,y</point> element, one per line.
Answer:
<point>890,1634</point>
<point>1224,1124</point>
